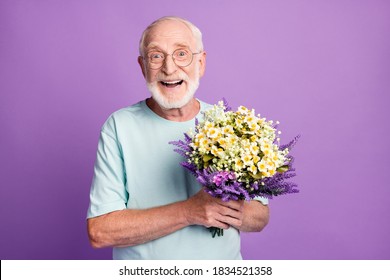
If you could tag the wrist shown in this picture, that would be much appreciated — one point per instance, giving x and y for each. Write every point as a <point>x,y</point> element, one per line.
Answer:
<point>181,213</point>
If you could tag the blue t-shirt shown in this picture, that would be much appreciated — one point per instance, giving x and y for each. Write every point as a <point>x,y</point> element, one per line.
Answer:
<point>136,168</point>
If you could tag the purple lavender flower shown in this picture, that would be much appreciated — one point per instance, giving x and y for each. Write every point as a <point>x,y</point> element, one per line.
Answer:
<point>226,104</point>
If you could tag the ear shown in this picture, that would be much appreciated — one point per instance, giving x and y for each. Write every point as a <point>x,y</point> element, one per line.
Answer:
<point>202,63</point>
<point>141,63</point>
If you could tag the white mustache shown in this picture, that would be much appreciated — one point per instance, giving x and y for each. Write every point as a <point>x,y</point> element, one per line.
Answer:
<point>179,76</point>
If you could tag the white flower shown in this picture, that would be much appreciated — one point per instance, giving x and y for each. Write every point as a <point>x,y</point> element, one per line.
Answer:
<point>262,166</point>
<point>227,130</point>
<point>252,168</point>
<point>247,159</point>
<point>213,133</point>
<point>239,141</point>
<point>254,148</point>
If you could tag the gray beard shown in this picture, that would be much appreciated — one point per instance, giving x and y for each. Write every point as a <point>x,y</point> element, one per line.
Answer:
<point>165,103</point>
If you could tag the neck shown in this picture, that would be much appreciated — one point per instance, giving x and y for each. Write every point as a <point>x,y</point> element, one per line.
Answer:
<point>185,113</point>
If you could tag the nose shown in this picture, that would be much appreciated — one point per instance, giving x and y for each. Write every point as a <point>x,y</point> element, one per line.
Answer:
<point>169,66</point>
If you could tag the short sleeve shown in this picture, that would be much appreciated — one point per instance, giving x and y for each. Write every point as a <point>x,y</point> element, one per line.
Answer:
<point>108,192</point>
<point>262,199</point>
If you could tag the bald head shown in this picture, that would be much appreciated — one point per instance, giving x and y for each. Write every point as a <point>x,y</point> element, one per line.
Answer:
<point>171,22</point>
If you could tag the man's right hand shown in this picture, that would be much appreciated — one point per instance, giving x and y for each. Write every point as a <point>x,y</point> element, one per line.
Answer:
<point>203,209</point>
<point>129,227</point>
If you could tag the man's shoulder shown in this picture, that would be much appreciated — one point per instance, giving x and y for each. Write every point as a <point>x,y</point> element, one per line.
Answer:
<point>204,105</point>
<point>124,116</point>
<point>131,110</point>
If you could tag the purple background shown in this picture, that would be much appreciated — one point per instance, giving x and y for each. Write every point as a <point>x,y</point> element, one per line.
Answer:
<point>319,67</point>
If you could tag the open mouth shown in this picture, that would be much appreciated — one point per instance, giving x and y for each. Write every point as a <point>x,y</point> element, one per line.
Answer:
<point>171,84</point>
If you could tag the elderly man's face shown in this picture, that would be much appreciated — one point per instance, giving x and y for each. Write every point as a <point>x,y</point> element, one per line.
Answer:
<point>172,86</point>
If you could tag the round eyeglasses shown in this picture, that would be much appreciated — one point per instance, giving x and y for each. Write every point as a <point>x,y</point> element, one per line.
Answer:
<point>181,57</point>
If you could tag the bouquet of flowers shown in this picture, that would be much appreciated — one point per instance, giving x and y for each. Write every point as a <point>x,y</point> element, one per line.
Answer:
<point>237,155</point>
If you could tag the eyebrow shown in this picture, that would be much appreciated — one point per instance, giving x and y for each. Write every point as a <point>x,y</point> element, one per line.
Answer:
<point>154,46</point>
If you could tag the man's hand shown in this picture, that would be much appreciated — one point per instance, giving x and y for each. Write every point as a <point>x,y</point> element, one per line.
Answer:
<point>203,209</point>
<point>131,227</point>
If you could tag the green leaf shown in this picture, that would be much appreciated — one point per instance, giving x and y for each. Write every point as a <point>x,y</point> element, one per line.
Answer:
<point>282,169</point>
<point>257,176</point>
<point>207,158</point>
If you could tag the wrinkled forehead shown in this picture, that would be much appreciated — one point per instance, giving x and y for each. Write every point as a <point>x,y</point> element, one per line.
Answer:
<point>168,35</point>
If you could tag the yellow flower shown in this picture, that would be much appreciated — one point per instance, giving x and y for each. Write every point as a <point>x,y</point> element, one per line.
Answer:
<point>256,159</point>
<point>265,145</point>
<point>199,136</point>
<point>253,126</point>
<point>205,144</point>
<point>231,140</point>
<point>243,110</point>
<point>239,164</point>
<point>208,125</point>
<point>270,164</point>
<point>249,119</point>
<point>247,159</point>
<point>227,130</point>
<point>262,166</point>
<point>218,152</point>
<point>265,174</point>
<point>266,152</point>
<point>253,169</point>
<point>214,150</point>
<point>246,145</point>
<point>222,142</point>
<point>213,133</point>
<point>254,148</point>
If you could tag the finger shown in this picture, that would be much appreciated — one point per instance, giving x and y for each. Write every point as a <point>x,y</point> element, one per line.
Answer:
<point>232,221</point>
<point>232,211</point>
<point>233,204</point>
<point>217,223</point>
<point>227,212</point>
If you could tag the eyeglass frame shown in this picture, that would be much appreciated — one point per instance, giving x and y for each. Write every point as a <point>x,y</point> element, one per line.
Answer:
<point>170,54</point>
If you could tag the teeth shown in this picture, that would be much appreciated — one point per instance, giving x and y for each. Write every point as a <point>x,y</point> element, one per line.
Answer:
<point>173,82</point>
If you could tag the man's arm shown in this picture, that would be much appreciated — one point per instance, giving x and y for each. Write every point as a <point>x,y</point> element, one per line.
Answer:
<point>131,227</point>
<point>255,216</point>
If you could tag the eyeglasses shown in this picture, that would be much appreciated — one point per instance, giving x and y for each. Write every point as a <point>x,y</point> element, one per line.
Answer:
<point>181,57</point>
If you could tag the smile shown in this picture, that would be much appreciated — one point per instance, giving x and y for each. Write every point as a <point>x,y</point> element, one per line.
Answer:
<point>171,84</point>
